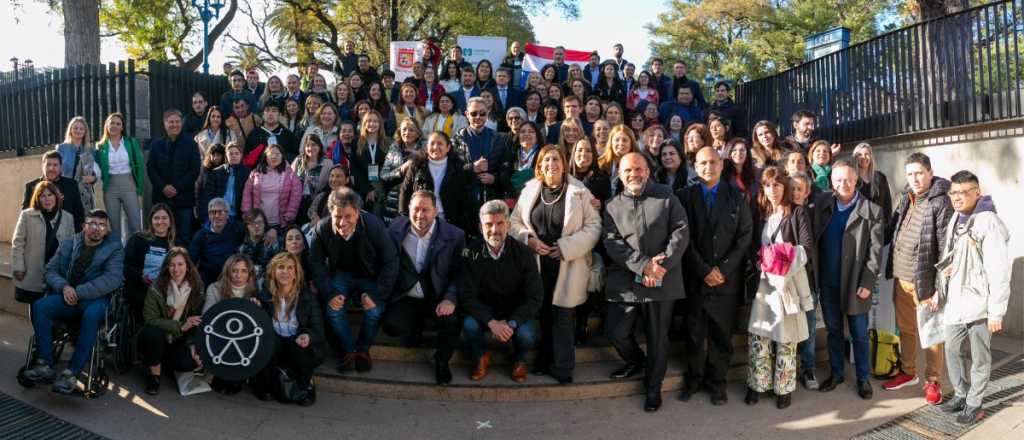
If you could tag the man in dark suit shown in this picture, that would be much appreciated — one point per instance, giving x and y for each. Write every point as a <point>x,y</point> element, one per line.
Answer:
<point>468,89</point>
<point>429,249</point>
<point>720,232</point>
<point>483,151</point>
<point>507,94</point>
<point>72,198</point>
<point>172,168</point>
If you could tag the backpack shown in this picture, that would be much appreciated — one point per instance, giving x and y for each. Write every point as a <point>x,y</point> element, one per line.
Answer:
<point>885,354</point>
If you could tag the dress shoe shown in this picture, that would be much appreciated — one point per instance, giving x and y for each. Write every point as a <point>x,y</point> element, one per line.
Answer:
<point>627,371</point>
<point>519,372</point>
<point>864,390</point>
<point>653,401</point>
<point>348,363</point>
<point>442,373</point>
<point>752,397</point>
<point>719,397</point>
<point>567,380</point>
<point>481,367</point>
<point>153,384</point>
<point>688,392</point>
<point>783,401</point>
<point>309,398</point>
<point>363,362</point>
<point>541,367</point>
<point>830,384</point>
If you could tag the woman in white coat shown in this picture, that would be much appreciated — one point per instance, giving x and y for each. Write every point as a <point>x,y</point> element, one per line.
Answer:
<point>40,229</point>
<point>555,218</point>
<point>778,319</point>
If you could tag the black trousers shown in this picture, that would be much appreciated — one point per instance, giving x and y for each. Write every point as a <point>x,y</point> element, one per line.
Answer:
<point>557,337</point>
<point>299,362</point>
<point>708,344</point>
<point>406,317</point>
<point>155,350</point>
<point>619,327</point>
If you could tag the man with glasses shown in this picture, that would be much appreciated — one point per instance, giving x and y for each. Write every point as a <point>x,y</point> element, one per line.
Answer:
<point>237,91</point>
<point>483,150</point>
<point>88,266</point>
<point>976,268</point>
<point>218,239</point>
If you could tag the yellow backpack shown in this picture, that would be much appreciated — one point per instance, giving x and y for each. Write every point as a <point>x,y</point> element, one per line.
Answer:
<point>885,353</point>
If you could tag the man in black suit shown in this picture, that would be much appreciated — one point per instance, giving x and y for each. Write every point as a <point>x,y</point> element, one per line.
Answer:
<point>508,95</point>
<point>720,232</point>
<point>72,201</point>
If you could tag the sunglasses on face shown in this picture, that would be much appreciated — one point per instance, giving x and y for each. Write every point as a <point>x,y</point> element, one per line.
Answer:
<point>477,114</point>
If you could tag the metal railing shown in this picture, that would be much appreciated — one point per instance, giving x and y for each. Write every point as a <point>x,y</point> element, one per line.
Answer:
<point>956,70</point>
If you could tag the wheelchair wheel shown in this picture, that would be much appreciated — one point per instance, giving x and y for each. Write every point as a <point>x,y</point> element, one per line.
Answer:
<point>97,384</point>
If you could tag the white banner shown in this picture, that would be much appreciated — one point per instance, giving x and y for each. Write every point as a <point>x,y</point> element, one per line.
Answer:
<point>492,49</point>
<point>403,55</point>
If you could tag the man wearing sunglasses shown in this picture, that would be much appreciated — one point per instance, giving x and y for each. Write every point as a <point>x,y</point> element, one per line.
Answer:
<point>88,266</point>
<point>483,150</point>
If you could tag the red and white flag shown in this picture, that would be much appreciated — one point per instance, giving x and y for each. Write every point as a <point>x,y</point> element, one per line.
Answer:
<point>538,56</point>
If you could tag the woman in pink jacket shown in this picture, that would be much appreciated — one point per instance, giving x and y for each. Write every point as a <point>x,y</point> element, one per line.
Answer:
<point>274,188</point>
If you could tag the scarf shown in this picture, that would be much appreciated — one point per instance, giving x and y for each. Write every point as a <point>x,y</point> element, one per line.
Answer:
<point>821,175</point>
<point>177,299</point>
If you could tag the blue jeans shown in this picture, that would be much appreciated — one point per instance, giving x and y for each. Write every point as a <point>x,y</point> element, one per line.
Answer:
<point>353,288</point>
<point>524,338</point>
<point>808,358</point>
<point>831,309</point>
<point>183,224</point>
<point>52,308</point>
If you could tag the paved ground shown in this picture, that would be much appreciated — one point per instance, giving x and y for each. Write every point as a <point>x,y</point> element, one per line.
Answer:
<point>128,413</point>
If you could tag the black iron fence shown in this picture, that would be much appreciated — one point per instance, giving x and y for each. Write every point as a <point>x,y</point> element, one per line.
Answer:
<point>956,70</point>
<point>35,109</point>
<point>173,87</point>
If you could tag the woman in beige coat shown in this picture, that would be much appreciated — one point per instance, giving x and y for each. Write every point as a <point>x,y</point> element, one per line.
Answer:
<point>555,218</point>
<point>40,229</point>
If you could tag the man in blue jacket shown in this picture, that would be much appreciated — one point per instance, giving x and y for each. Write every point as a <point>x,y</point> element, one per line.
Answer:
<point>353,258</point>
<point>429,249</point>
<point>88,266</point>
<point>173,167</point>
<point>685,105</point>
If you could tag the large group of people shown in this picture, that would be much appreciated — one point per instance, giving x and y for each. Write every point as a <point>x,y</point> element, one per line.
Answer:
<point>458,197</point>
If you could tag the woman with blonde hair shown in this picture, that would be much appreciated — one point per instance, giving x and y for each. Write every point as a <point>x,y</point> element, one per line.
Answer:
<point>872,183</point>
<point>77,155</point>
<point>620,142</point>
<point>214,132</point>
<point>766,149</point>
<point>299,329</point>
<point>569,134</point>
<point>123,171</point>
<point>371,150</point>
<point>325,126</point>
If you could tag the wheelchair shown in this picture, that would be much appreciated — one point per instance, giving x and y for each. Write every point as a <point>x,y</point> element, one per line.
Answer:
<point>114,344</point>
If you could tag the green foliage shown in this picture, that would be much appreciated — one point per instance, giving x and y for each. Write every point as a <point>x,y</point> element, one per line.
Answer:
<point>747,39</point>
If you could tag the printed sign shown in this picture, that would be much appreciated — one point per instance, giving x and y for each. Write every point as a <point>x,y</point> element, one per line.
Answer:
<point>403,55</point>
<point>236,339</point>
<point>492,49</point>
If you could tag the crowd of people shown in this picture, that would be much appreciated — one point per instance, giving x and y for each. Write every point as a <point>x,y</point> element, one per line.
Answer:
<point>459,199</point>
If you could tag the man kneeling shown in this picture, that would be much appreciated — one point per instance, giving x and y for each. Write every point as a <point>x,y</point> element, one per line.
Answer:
<point>501,292</point>
<point>79,280</point>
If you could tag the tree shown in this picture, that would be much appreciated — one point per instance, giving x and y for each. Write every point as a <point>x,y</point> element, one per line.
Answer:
<point>747,39</point>
<point>298,31</point>
<point>247,58</point>
<point>81,32</point>
<point>164,30</point>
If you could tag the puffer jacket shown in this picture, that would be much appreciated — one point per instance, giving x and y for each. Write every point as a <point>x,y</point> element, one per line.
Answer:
<point>979,285</point>
<point>289,198</point>
<point>933,234</point>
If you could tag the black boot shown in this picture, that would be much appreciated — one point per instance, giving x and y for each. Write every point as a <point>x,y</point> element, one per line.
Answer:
<point>783,400</point>
<point>653,401</point>
<point>752,396</point>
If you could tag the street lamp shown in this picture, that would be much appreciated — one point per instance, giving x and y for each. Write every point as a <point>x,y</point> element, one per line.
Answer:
<point>208,10</point>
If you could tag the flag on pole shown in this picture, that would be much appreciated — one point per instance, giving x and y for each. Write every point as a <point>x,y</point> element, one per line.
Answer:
<point>538,56</point>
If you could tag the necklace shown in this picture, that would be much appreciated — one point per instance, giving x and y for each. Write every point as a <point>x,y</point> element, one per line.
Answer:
<point>561,192</point>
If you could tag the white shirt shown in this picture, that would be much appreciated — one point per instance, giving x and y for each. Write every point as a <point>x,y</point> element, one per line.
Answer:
<point>286,324</point>
<point>437,170</point>
<point>117,159</point>
<point>416,248</point>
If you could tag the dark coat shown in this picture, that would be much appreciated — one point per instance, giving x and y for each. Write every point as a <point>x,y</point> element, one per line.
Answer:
<point>176,163</point>
<point>216,186</point>
<point>72,198</point>
<point>497,164</point>
<point>209,250</point>
<point>442,262</point>
<point>878,191</point>
<point>862,249</point>
<point>460,97</point>
<point>310,317</point>
<point>933,235</point>
<point>515,97</point>
<point>453,193</point>
<point>377,254</point>
<point>509,288</point>
<point>636,229</point>
<point>719,239</point>
<point>259,137</point>
<point>614,93</point>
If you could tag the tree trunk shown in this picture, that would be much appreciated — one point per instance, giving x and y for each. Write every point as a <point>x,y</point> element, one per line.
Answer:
<point>81,32</point>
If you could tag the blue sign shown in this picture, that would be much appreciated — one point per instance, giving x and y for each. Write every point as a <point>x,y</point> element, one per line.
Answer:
<point>824,43</point>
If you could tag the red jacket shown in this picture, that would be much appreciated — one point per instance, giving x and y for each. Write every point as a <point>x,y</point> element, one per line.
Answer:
<point>436,91</point>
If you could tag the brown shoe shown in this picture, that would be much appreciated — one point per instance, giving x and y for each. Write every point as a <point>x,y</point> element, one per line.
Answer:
<point>481,367</point>
<point>519,372</point>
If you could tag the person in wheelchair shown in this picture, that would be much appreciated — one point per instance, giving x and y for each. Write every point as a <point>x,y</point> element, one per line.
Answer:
<point>79,280</point>
<point>172,311</point>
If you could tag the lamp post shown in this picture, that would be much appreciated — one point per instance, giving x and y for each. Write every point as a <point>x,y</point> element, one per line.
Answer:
<point>208,10</point>
<point>14,71</point>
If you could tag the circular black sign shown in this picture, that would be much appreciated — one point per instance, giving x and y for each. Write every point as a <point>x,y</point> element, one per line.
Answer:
<point>236,339</point>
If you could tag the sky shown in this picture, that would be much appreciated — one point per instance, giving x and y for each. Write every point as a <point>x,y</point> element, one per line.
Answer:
<point>598,28</point>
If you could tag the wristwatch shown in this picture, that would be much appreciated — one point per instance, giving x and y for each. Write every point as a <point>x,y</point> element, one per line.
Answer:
<point>512,323</point>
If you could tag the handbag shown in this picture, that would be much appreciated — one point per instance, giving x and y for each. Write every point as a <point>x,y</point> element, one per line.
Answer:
<point>288,389</point>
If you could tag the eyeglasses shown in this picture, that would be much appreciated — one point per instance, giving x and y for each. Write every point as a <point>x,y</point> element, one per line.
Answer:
<point>218,211</point>
<point>477,114</point>
<point>962,193</point>
<point>94,225</point>
<point>514,118</point>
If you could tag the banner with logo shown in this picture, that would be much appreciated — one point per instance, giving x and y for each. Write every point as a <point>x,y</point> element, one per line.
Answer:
<point>403,55</point>
<point>475,48</point>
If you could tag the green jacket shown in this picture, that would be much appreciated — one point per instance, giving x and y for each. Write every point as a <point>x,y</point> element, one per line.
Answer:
<point>135,160</point>
<point>154,312</point>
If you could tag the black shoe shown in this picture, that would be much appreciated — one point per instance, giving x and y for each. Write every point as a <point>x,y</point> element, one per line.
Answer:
<point>264,396</point>
<point>864,389</point>
<point>653,401</point>
<point>809,381</point>
<point>970,414</point>
<point>783,401</point>
<point>830,384</point>
<point>752,397</point>
<point>363,362</point>
<point>582,332</point>
<point>541,367</point>
<point>688,392</point>
<point>567,380</point>
<point>442,373</point>
<point>348,363</point>
<point>627,371</point>
<point>954,405</point>
<point>153,384</point>
<point>309,398</point>
<point>719,398</point>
